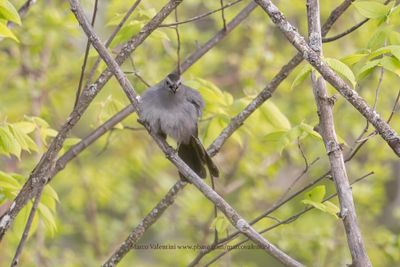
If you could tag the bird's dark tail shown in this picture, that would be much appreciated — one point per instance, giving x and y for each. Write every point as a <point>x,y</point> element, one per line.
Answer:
<point>196,157</point>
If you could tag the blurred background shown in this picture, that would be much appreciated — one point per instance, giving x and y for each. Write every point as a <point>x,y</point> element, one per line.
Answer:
<point>104,193</point>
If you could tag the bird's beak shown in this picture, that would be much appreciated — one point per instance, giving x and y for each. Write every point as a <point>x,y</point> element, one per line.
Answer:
<point>174,89</point>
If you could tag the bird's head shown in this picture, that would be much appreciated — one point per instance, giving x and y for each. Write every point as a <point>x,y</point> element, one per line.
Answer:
<point>172,82</point>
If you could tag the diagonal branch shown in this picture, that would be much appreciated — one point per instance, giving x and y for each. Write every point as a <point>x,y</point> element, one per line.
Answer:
<point>171,154</point>
<point>298,41</point>
<point>348,31</point>
<point>282,222</point>
<point>200,16</point>
<point>111,38</point>
<point>29,189</point>
<point>270,88</point>
<point>147,221</point>
<point>218,36</point>
<point>45,168</point>
<point>85,58</point>
<point>334,150</point>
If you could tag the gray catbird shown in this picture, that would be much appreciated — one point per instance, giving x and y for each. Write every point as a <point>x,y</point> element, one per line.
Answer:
<point>173,109</point>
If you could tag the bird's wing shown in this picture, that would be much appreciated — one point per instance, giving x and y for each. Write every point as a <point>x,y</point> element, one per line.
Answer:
<point>195,99</point>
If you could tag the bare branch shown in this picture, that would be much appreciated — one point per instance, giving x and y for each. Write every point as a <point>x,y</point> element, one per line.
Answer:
<point>346,32</point>
<point>334,151</point>
<point>298,41</point>
<point>83,68</point>
<point>282,222</point>
<point>136,72</point>
<point>111,38</point>
<point>264,95</point>
<point>25,7</point>
<point>201,16</point>
<point>22,11</point>
<point>45,169</point>
<point>223,14</point>
<point>178,46</point>
<point>172,155</point>
<point>218,36</point>
<point>25,234</point>
<point>270,88</point>
<point>147,221</point>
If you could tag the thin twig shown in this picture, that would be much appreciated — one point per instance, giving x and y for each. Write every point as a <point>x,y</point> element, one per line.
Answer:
<point>136,72</point>
<point>146,222</point>
<point>346,32</point>
<point>111,38</point>
<point>378,88</point>
<point>27,228</point>
<point>178,47</point>
<point>110,132</point>
<point>396,102</point>
<point>200,16</point>
<point>223,14</point>
<point>83,68</point>
<point>22,11</point>
<point>282,222</point>
<point>305,170</point>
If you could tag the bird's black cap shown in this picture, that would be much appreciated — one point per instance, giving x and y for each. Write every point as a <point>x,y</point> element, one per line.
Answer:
<point>174,77</point>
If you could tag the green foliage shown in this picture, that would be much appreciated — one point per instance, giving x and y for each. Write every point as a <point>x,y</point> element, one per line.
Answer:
<point>8,14</point>
<point>315,197</point>
<point>372,9</point>
<point>341,69</point>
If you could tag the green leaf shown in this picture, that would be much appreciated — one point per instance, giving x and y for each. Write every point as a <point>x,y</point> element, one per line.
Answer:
<point>378,38</point>
<point>147,13</point>
<point>301,76</point>
<point>23,139</point>
<point>8,182</point>
<point>279,140</point>
<point>317,205</point>
<point>391,64</point>
<point>390,49</point>
<point>8,144</point>
<point>220,223</point>
<point>127,31</point>
<point>38,121</point>
<point>331,208</point>
<point>7,33</point>
<point>350,60</point>
<point>8,12</point>
<point>396,52</point>
<point>71,141</point>
<point>48,218</point>
<point>25,126</point>
<point>275,117</point>
<point>342,69</point>
<point>109,108</point>
<point>371,9</point>
<point>394,11</point>
<point>48,190</point>
<point>159,34</point>
<point>394,37</point>
<point>367,68</point>
<point>316,194</point>
<point>310,130</point>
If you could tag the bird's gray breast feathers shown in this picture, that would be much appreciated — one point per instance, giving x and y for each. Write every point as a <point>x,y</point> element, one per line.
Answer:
<point>175,115</point>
